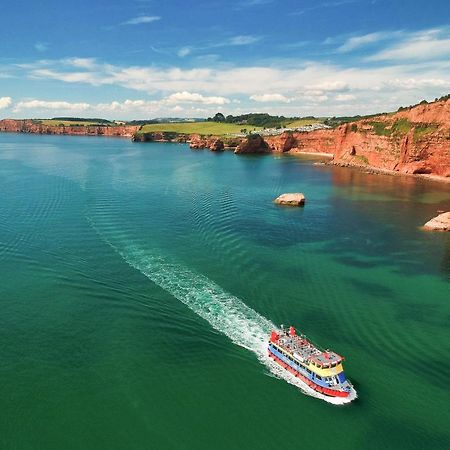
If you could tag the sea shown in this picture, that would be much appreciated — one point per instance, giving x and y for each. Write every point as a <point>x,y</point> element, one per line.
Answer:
<point>140,282</point>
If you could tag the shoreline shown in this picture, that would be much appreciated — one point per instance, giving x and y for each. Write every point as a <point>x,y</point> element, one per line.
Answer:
<point>395,173</point>
<point>321,154</point>
<point>331,162</point>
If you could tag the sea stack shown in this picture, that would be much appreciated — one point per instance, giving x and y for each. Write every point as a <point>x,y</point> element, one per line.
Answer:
<point>439,223</point>
<point>254,143</point>
<point>292,199</point>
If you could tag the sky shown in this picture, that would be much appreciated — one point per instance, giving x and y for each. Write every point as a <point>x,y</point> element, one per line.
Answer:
<point>142,59</point>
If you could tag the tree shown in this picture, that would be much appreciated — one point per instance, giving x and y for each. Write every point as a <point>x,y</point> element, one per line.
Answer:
<point>219,117</point>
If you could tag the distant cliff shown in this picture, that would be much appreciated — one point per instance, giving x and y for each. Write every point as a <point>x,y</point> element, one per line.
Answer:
<point>34,126</point>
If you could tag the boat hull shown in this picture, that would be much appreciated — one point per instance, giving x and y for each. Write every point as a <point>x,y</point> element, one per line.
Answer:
<point>311,384</point>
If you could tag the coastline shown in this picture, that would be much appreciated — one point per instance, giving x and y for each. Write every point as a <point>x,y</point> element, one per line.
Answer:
<point>321,154</point>
<point>395,173</point>
<point>342,146</point>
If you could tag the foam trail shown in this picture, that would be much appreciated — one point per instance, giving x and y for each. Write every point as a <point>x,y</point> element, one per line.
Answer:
<point>224,312</point>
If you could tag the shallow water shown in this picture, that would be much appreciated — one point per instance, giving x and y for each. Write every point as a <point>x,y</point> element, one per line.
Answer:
<point>139,282</point>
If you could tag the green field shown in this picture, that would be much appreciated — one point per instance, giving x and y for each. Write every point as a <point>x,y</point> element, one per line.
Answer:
<point>68,123</point>
<point>205,128</point>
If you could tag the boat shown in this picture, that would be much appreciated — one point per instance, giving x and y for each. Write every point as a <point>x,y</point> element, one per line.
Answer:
<point>321,370</point>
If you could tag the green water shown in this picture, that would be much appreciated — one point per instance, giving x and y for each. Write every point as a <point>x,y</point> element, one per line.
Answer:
<point>138,282</point>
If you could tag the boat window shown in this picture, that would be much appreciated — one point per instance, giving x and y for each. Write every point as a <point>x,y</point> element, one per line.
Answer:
<point>318,377</point>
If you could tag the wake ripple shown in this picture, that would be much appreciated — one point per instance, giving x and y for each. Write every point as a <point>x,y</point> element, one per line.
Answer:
<point>223,311</point>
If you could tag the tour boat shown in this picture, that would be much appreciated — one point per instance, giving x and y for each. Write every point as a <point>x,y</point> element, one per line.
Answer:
<point>320,370</point>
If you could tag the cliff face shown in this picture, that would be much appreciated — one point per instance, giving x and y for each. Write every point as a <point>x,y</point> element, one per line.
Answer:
<point>30,126</point>
<point>161,136</point>
<point>413,141</point>
<point>406,153</point>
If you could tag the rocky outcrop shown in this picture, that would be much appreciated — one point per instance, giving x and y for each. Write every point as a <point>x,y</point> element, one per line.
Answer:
<point>216,146</point>
<point>292,199</point>
<point>439,223</point>
<point>160,136</point>
<point>281,143</point>
<point>197,142</point>
<point>212,143</point>
<point>37,127</point>
<point>254,143</point>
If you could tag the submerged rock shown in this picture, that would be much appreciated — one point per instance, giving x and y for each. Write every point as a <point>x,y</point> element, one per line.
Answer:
<point>439,223</point>
<point>293,199</point>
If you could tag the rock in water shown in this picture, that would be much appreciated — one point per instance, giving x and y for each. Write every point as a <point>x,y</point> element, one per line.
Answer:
<point>295,199</point>
<point>254,143</point>
<point>216,145</point>
<point>439,223</point>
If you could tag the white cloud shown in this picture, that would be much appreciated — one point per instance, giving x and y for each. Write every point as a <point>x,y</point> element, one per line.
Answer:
<point>131,109</point>
<point>250,3</point>
<point>286,88</point>
<point>68,77</point>
<point>421,46</point>
<point>141,19</point>
<point>184,51</point>
<point>41,46</point>
<point>243,40</point>
<point>189,97</point>
<point>413,83</point>
<point>313,97</point>
<point>360,41</point>
<point>326,5</point>
<point>329,86</point>
<point>5,102</point>
<point>82,63</point>
<point>268,98</point>
<point>248,81</point>
<point>345,97</point>
<point>222,82</point>
<point>233,41</point>
<point>51,105</point>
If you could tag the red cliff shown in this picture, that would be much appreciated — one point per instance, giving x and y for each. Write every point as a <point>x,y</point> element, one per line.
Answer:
<point>34,126</point>
<point>414,141</point>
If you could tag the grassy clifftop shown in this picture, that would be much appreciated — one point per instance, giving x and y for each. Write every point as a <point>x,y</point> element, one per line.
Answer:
<point>203,128</point>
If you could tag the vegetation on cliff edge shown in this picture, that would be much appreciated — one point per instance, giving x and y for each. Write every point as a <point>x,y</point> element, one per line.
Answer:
<point>202,128</point>
<point>264,120</point>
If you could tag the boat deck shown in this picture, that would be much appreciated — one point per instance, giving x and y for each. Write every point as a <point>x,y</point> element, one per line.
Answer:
<point>305,351</point>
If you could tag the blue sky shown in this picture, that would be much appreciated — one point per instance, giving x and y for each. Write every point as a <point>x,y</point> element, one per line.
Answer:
<point>147,58</point>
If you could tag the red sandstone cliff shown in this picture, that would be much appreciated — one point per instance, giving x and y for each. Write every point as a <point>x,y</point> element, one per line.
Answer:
<point>415,141</point>
<point>31,126</point>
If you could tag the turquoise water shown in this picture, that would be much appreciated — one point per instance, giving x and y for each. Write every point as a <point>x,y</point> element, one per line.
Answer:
<point>139,282</point>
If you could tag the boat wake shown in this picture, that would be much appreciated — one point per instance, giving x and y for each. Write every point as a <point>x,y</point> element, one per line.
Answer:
<point>224,312</point>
